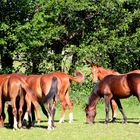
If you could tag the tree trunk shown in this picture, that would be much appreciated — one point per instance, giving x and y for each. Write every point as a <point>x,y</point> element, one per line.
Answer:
<point>73,63</point>
<point>6,62</point>
<point>58,48</point>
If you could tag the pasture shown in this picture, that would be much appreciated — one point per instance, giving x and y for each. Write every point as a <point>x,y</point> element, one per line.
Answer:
<point>78,130</point>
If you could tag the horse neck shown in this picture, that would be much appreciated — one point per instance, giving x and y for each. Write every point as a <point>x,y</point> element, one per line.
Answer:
<point>104,72</point>
<point>93,100</point>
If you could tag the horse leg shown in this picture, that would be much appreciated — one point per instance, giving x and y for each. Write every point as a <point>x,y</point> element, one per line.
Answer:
<point>69,103</point>
<point>113,108</point>
<point>50,116</point>
<point>121,109</point>
<point>55,101</point>
<point>27,116</point>
<point>20,111</point>
<point>107,99</point>
<point>63,103</point>
<point>13,104</point>
<point>10,115</point>
<point>44,110</point>
<point>33,115</point>
<point>35,103</point>
<point>3,112</point>
<point>1,116</point>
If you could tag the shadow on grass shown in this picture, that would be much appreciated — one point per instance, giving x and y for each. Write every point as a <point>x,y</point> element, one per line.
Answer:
<point>119,120</point>
<point>99,121</point>
<point>67,121</point>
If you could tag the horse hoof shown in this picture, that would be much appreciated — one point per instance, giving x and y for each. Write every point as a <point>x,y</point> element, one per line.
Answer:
<point>38,122</point>
<point>106,122</point>
<point>14,129</point>
<point>61,121</point>
<point>70,121</point>
<point>33,124</point>
<point>113,120</point>
<point>1,126</point>
<point>124,122</point>
<point>19,126</point>
<point>50,128</point>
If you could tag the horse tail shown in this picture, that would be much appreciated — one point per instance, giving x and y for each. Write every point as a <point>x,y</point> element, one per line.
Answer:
<point>53,91</point>
<point>78,78</point>
<point>27,90</point>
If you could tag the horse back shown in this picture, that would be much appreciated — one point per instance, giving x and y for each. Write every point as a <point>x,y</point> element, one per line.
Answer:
<point>116,85</point>
<point>33,82</point>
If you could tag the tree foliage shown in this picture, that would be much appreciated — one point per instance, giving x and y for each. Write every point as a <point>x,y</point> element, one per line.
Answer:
<point>48,35</point>
<point>61,35</point>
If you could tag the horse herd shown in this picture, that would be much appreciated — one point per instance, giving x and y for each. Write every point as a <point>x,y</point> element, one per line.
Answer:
<point>36,89</point>
<point>25,92</point>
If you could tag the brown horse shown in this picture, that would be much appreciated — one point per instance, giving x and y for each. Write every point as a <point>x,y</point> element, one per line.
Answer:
<point>98,73</point>
<point>113,87</point>
<point>11,88</point>
<point>64,80</point>
<point>46,88</point>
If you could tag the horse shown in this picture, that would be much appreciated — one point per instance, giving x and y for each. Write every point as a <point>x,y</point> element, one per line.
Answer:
<point>46,88</point>
<point>13,86</point>
<point>64,83</point>
<point>113,87</point>
<point>98,73</point>
<point>65,80</point>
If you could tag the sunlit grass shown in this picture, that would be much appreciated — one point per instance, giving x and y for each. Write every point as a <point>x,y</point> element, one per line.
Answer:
<point>78,130</point>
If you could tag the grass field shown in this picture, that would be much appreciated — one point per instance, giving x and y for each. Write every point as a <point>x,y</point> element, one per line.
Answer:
<point>78,130</point>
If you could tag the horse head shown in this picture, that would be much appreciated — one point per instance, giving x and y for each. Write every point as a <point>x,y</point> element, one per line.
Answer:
<point>90,114</point>
<point>95,73</point>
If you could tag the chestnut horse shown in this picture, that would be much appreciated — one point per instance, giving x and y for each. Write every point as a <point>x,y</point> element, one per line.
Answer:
<point>98,73</point>
<point>46,88</point>
<point>64,83</point>
<point>113,87</point>
<point>11,88</point>
<point>65,80</point>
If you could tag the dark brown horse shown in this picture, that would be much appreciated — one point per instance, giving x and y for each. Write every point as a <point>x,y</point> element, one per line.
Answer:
<point>46,87</point>
<point>11,88</point>
<point>113,87</point>
<point>98,73</point>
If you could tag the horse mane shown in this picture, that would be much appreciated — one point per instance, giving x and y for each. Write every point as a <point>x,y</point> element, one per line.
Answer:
<point>108,69</point>
<point>105,69</point>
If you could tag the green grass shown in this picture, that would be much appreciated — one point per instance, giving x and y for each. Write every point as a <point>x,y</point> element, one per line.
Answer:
<point>78,130</point>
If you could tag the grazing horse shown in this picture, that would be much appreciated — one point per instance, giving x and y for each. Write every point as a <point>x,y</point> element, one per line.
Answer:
<point>113,87</point>
<point>12,86</point>
<point>46,88</point>
<point>98,73</point>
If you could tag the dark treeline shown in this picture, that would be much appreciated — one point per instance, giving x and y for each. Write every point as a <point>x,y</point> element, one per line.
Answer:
<point>50,35</point>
